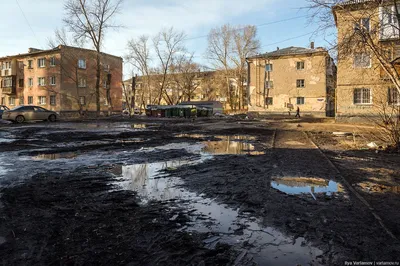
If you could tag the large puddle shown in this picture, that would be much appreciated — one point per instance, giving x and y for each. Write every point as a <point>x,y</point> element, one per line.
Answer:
<point>303,185</point>
<point>266,245</point>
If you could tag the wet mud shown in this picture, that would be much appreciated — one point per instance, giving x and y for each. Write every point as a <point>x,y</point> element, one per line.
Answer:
<point>178,192</point>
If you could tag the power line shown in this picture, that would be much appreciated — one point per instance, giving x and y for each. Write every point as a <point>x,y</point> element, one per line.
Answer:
<point>288,39</point>
<point>27,21</point>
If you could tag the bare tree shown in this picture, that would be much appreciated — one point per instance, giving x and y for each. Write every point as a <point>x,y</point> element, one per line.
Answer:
<point>228,48</point>
<point>167,45</point>
<point>371,27</point>
<point>139,57</point>
<point>89,20</point>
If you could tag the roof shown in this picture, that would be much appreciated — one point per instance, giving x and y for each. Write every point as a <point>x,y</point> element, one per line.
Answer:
<point>292,50</point>
<point>56,49</point>
<point>200,103</point>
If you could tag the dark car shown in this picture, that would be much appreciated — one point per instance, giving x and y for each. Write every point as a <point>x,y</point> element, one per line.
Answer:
<point>2,109</point>
<point>28,113</point>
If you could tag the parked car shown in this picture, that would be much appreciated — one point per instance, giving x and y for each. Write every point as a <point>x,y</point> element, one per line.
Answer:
<point>2,109</point>
<point>28,113</point>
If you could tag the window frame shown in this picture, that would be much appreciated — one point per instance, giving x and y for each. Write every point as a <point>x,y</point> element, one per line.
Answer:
<point>30,100</point>
<point>269,67</point>
<point>53,78</point>
<point>300,62</point>
<point>82,66</point>
<point>53,100</point>
<point>84,100</point>
<point>393,94</point>
<point>21,100</point>
<point>30,64</point>
<point>40,102</point>
<point>43,59</point>
<point>52,61</point>
<point>269,100</point>
<point>362,96</point>
<point>11,101</point>
<point>302,102</point>
<point>299,82</point>
<point>30,82</point>
<point>362,54</point>
<point>269,84</point>
<point>44,81</point>
<point>80,85</point>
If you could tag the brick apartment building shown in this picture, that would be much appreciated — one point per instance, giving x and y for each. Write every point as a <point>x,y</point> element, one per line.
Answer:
<point>292,77</point>
<point>62,79</point>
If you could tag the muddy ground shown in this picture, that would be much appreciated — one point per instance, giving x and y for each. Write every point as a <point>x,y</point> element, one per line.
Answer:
<point>223,191</point>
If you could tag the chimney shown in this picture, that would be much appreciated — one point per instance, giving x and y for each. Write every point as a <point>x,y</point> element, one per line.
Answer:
<point>312,45</point>
<point>277,48</point>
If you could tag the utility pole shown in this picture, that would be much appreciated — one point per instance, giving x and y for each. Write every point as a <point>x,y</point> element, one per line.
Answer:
<point>133,98</point>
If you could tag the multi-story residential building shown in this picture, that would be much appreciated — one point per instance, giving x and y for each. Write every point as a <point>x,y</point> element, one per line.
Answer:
<point>62,79</point>
<point>368,34</point>
<point>200,86</point>
<point>282,80</point>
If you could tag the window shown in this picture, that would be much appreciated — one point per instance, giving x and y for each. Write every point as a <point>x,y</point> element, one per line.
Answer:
<point>82,82</point>
<point>362,96</point>
<point>6,72</point>
<point>107,68</point>
<point>21,100</point>
<point>6,65</point>
<point>82,63</point>
<point>300,83</point>
<point>362,60</point>
<point>393,96</point>
<point>7,82</point>
<point>52,100</point>
<point>268,67</point>
<point>20,65</point>
<point>41,81</point>
<point>300,65</point>
<point>11,101</point>
<point>300,100</point>
<point>30,64</point>
<point>53,80</point>
<point>105,84</point>
<point>269,84</point>
<point>82,100</point>
<point>106,100</point>
<point>42,100</point>
<point>41,62</point>
<point>21,83</point>
<point>362,25</point>
<point>30,82</point>
<point>3,100</point>
<point>269,101</point>
<point>52,61</point>
<point>30,99</point>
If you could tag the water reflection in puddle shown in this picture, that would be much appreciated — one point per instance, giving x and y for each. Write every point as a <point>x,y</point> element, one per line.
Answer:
<point>299,185</point>
<point>56,156</point>
<point>267,245</point>
<point>226,145</point>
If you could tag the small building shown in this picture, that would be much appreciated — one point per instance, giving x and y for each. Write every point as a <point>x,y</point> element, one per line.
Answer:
<point>62,79</point>
<point>282,80</point>
<point>215,106</point>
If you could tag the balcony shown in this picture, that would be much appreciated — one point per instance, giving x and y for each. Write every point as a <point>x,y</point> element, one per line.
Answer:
<point>9,90</point>
<point>9,85</point>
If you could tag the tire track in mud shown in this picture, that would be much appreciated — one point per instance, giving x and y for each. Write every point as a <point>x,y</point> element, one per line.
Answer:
<point>350,188</point>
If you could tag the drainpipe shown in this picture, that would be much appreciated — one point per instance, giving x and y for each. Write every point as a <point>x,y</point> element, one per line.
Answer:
<point>248,83</point>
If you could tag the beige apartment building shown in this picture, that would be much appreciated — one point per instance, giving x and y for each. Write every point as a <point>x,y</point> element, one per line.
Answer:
<point>282,80</point>
<point>62,79</point>
<point>363,87</point>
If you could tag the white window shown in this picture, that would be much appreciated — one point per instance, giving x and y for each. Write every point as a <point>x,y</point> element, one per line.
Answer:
<point>30,99</point>
<point>107,68</point>
<point>41,81</point>
<point>300,65</point>
<point>105,101</point>
<point>82,63</point>
<point>82,100</point>
<point>300,83</point>
<point>82,82</point>
<point>41,62</point>
<point>389,27</point>
<point>269,84</point>
<point>105,84</point>
<point>7,82</point>
<point>52,61</point>
<point>30,64</point>
<point>42,100</point>
<point>53,80</point>
<point>11,101</point>
<point>363,24</point>
<point>362,60</point>
<point>268,67</point>
<point>30,82</point>
<point>52,100</point>
<point>362,96</point>
<point>6,65</point>
<point>393,96</point>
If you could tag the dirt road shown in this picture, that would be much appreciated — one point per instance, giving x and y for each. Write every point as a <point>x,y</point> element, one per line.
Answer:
<point>174,192</point>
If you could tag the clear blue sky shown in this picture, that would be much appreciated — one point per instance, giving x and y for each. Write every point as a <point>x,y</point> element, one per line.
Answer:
<point>195,17</point>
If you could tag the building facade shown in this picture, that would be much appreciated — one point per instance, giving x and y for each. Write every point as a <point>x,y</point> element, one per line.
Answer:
<point>62,79</point>
<point>281,81</point>
<point>363,87</point>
